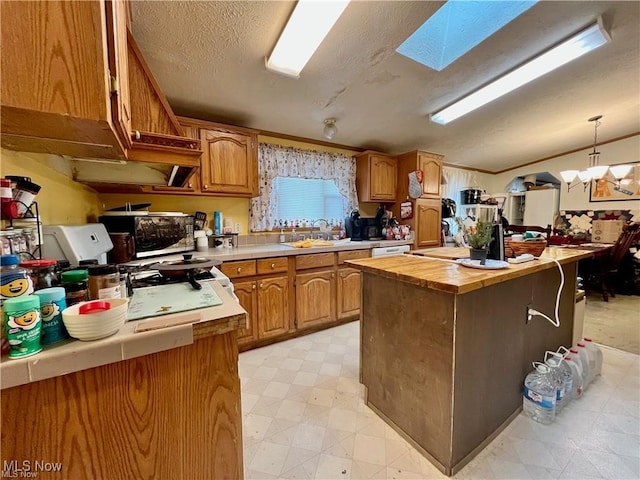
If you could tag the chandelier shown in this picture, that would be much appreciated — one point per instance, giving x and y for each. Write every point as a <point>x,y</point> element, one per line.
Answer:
<point>594,171</point>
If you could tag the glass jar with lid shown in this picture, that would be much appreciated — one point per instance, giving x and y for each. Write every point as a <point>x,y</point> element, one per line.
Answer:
<point>43,272</point>
<point>104,282</point>
<point>75,285</point>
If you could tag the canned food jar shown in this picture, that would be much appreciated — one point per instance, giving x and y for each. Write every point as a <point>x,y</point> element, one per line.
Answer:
<point>14,280</point>
<point>104,282</point>
<point>43,272</point>
<point>52,303</point>
<point>23,325</point>
<point>75,286</point>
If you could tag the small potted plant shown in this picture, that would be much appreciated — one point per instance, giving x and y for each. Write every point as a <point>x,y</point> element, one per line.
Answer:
<point>479,238</point>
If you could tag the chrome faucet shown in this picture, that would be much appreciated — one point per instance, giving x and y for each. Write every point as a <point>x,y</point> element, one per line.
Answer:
<point>313,223</point>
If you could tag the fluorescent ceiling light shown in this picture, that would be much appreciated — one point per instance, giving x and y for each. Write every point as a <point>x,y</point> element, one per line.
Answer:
<point>310,22</point>
<point>576,46</point>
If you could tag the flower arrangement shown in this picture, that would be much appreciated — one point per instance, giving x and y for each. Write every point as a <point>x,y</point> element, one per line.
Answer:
<point>477,235</point>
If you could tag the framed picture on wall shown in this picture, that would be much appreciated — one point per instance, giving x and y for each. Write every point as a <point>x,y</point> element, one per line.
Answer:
<point>607,189</point>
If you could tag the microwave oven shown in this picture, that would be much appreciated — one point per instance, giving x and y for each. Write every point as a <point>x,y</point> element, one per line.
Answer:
<point>154,233</point>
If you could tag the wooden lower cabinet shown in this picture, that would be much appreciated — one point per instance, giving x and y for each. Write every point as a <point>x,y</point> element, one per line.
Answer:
<point>315,293</point>
<point>248,298</point>
<point>273,306</point>
<point>348,293</point>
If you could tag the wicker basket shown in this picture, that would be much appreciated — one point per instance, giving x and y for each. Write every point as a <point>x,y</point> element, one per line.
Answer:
<point>534,247</point>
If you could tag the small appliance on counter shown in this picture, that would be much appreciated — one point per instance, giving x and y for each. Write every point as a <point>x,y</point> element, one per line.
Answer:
<point>153,233</point>
<point>76,242</point>
<point>362,228</point>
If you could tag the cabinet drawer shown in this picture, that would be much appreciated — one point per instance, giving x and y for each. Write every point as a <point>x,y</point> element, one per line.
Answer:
<point>352,255</point>
<point>272,265</point>
<point>242,268</point>
<point>314,261</point>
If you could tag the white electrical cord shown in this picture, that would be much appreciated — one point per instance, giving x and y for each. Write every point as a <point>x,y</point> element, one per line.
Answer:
<point>556,322</point>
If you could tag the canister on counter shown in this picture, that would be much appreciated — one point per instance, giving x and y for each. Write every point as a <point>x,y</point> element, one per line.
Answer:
<point>43,272</point>
<point>104,282</point>
<point>52,303</point>
<point>14,280</point>
<point>76,286</point>
<point>22,324</point>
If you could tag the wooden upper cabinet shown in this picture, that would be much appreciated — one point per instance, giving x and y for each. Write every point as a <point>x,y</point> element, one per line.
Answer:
<point>229,162</point>
<point>376,177</point>
<point>427,223</point>
<point>60,61</point>
<point>431,166</point>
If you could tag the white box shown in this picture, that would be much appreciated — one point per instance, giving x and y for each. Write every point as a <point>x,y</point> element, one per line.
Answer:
<point>606,231</point>
<point>76,242</point>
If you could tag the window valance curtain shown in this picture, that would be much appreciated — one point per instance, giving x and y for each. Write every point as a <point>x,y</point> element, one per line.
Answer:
<point>278,161</point>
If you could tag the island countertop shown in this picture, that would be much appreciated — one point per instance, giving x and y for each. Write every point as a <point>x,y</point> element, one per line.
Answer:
<point>134,339</point>
<point>449,276</point>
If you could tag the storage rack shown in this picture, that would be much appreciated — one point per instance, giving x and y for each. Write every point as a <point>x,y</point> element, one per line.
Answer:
<point>27,221</point>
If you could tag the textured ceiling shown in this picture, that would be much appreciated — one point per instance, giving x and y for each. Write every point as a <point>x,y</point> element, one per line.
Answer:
<point>208,58</point>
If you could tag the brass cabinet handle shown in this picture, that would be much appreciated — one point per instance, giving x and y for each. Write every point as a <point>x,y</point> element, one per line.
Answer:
<point>253,287</point>
<point>273,265</point>
<point>190,185</point>
<point>261,284</point>
<point>333,275</point>
<point>239,268</point>
<point>205,187</point>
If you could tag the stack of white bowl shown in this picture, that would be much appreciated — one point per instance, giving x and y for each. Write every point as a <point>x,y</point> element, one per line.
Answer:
<point>97,324</point>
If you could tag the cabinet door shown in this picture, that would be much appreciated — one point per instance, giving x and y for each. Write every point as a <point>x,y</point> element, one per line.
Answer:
<point>348,297</point>
<point>248,298</point>
<point>432,175</point>
<point>273,306</point>
<point>315,298</point>
<point>229,163</point>
<point>117,24</point>
<point>428,223</point>
<point>383,175</point>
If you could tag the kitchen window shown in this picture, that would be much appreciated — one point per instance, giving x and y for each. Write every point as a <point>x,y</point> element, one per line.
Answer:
<point>297,184</point>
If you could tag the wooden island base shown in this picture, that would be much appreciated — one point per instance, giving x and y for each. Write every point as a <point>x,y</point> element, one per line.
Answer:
<point>445,369</point>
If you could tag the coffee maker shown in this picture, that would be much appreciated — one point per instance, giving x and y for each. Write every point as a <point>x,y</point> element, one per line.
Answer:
<point>362,228</point>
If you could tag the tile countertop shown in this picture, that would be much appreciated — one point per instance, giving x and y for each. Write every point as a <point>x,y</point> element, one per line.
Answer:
<point>247,252</point>
<point>134,339</point>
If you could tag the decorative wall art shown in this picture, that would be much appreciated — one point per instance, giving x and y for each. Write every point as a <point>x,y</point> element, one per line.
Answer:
<point>607,188</point>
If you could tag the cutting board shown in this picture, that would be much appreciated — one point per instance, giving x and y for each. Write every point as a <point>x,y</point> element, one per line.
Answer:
<point>165,299</point>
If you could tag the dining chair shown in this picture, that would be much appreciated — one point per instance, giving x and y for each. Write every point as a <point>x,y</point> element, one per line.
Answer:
<point>606,265</point>
<point>530,228</point>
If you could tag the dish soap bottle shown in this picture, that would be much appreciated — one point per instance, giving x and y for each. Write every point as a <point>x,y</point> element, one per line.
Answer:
<point>282,235</point>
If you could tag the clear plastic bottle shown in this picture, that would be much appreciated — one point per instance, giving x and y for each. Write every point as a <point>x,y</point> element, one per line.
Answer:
<point>597,353</point>
<point>558,380</point>
<point>590,358</point>
<point>539,396</point>
<point>581,357</point>
<point>555,360</point>
<point>578,382</point>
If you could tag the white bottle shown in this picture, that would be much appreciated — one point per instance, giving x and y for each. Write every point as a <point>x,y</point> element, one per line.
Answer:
<point>539,396</point>
<point>282,239</point>
<point>578,382</point>
<point>597,353</point>
<point>591,359</point>
<point>581,356</point>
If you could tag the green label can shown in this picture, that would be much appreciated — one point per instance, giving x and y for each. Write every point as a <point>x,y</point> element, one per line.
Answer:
<point>52,303</point>
<point>23,325</point>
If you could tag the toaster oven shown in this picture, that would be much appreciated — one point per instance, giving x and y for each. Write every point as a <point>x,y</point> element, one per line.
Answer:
<point>154,233</point>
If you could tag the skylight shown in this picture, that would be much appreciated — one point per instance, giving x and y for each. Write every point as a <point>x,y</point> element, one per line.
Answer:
<point>456,28</point>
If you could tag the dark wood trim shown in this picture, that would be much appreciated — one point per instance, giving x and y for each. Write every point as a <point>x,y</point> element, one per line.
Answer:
<point>294,138</point>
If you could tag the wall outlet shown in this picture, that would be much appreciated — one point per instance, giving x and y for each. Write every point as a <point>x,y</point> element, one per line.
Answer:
<point>237,230</point>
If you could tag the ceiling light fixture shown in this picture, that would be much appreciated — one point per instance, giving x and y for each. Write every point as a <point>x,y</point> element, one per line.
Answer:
<point>307,27</point>
<point>587,40</point>
<point>330,129</point>
<point>595,171</point>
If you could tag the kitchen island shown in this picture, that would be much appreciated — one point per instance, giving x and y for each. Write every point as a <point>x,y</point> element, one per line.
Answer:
<point>160,403</point>
<point>445,348</point>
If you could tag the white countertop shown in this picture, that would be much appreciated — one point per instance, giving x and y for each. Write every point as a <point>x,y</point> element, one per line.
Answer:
<point>75,355</point>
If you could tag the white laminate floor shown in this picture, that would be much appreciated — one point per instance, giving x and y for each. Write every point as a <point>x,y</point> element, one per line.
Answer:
<point>304,417</point>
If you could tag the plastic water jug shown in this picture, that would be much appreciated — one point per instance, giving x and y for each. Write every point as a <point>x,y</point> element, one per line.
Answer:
<point>555,361</point>
<point>539,395</point>
<point>590,358</point>
<point>597,353</point>
<point>580,355</point>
